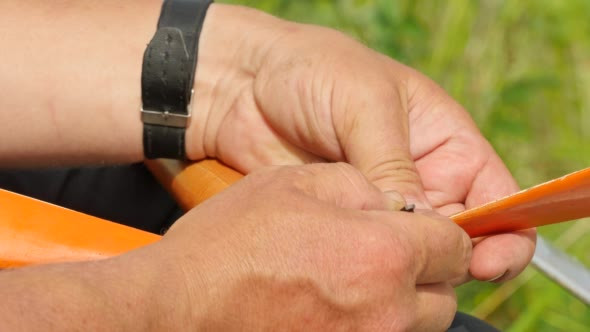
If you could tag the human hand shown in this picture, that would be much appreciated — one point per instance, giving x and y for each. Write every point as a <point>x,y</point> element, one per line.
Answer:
<point>460,170</point>
<point>286,93</point>
<point>313,247</point>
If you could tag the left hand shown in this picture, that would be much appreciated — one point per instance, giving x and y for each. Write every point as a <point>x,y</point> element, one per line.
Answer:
<point>285,93</point>
<point>460,170</point>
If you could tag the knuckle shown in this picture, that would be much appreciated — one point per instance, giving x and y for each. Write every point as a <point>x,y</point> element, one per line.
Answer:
<point>339,176</point>
<point>303,177</point>
<point>389,252</point>
<point>350,174</point>
<point>276,178</point>
<point>395,162</point>
<point>396,168</point>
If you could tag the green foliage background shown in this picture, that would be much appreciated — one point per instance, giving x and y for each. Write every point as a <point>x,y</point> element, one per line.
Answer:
<point>522,68</point>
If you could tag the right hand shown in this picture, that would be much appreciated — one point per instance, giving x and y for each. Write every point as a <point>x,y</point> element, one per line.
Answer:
<point>312,247</point>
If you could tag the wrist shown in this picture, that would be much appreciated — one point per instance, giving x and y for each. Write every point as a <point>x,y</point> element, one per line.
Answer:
<point>154,291</point>
<point>232,46</point>
<point>133,292</point>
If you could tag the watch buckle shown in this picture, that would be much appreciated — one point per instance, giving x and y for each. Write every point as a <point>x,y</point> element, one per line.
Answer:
<point>167,118</point>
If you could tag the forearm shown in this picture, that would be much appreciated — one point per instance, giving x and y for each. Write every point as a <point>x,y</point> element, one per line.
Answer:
<point>124,294</point>
<point>70,78</point>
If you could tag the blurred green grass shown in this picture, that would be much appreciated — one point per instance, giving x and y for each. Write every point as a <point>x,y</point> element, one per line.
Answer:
<point>522,69</point>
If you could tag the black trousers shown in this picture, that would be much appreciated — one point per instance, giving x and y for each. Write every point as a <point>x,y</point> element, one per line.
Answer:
<point>128,195</point>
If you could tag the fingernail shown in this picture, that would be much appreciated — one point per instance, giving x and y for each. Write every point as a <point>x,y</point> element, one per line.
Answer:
<point>396,201</point>
<point>497,277</point>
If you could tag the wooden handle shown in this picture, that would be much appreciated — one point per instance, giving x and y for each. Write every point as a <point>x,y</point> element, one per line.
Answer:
<point>35,232</point>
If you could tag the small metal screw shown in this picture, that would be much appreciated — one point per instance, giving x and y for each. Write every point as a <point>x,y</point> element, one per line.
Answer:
<point>409,208</point>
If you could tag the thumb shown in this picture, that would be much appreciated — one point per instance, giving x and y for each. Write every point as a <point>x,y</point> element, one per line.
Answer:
<point>378,144</point>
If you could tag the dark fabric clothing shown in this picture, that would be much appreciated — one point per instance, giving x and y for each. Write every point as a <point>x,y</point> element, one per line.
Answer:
<point>124,194</point>
<point>466,323</point>
<point>131,196</point>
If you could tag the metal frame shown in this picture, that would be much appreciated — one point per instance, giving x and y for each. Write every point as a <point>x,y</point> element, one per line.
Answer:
<point>562,269</point>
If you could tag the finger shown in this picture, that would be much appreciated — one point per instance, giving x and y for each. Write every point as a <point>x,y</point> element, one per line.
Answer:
<point>492,182</point>
<point>436,307</point>
<point>341,185</point>
<point>502,257</point>
<point>443,156</point>
<point>448,149</point>
<point>461,280</point>
<point>397,202</point>
<point>440,251</point>
<point>374,134</point>
<point>499,257</point>
<point>448,171</point>
<point>451,209</point>
<point>473,173</point>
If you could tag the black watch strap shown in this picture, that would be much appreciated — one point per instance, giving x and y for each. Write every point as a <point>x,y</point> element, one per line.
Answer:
<point>167,77</point>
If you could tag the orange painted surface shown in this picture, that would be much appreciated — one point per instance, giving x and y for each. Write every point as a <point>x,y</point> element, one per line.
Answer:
<point>560,200</point>
<point>34,232</point>
<point>191,184</point>
<point>563,199</point>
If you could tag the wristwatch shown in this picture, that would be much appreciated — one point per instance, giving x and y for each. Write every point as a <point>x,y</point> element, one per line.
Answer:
<point>167,77</point>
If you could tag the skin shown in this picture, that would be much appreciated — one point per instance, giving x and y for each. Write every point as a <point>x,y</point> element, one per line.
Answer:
<point>333,258</point>
<point>310,94</point>
<point>283,93</point>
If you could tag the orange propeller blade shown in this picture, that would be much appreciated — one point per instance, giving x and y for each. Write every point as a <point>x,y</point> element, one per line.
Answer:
<point>35,232</point>
<point>559,200</point>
